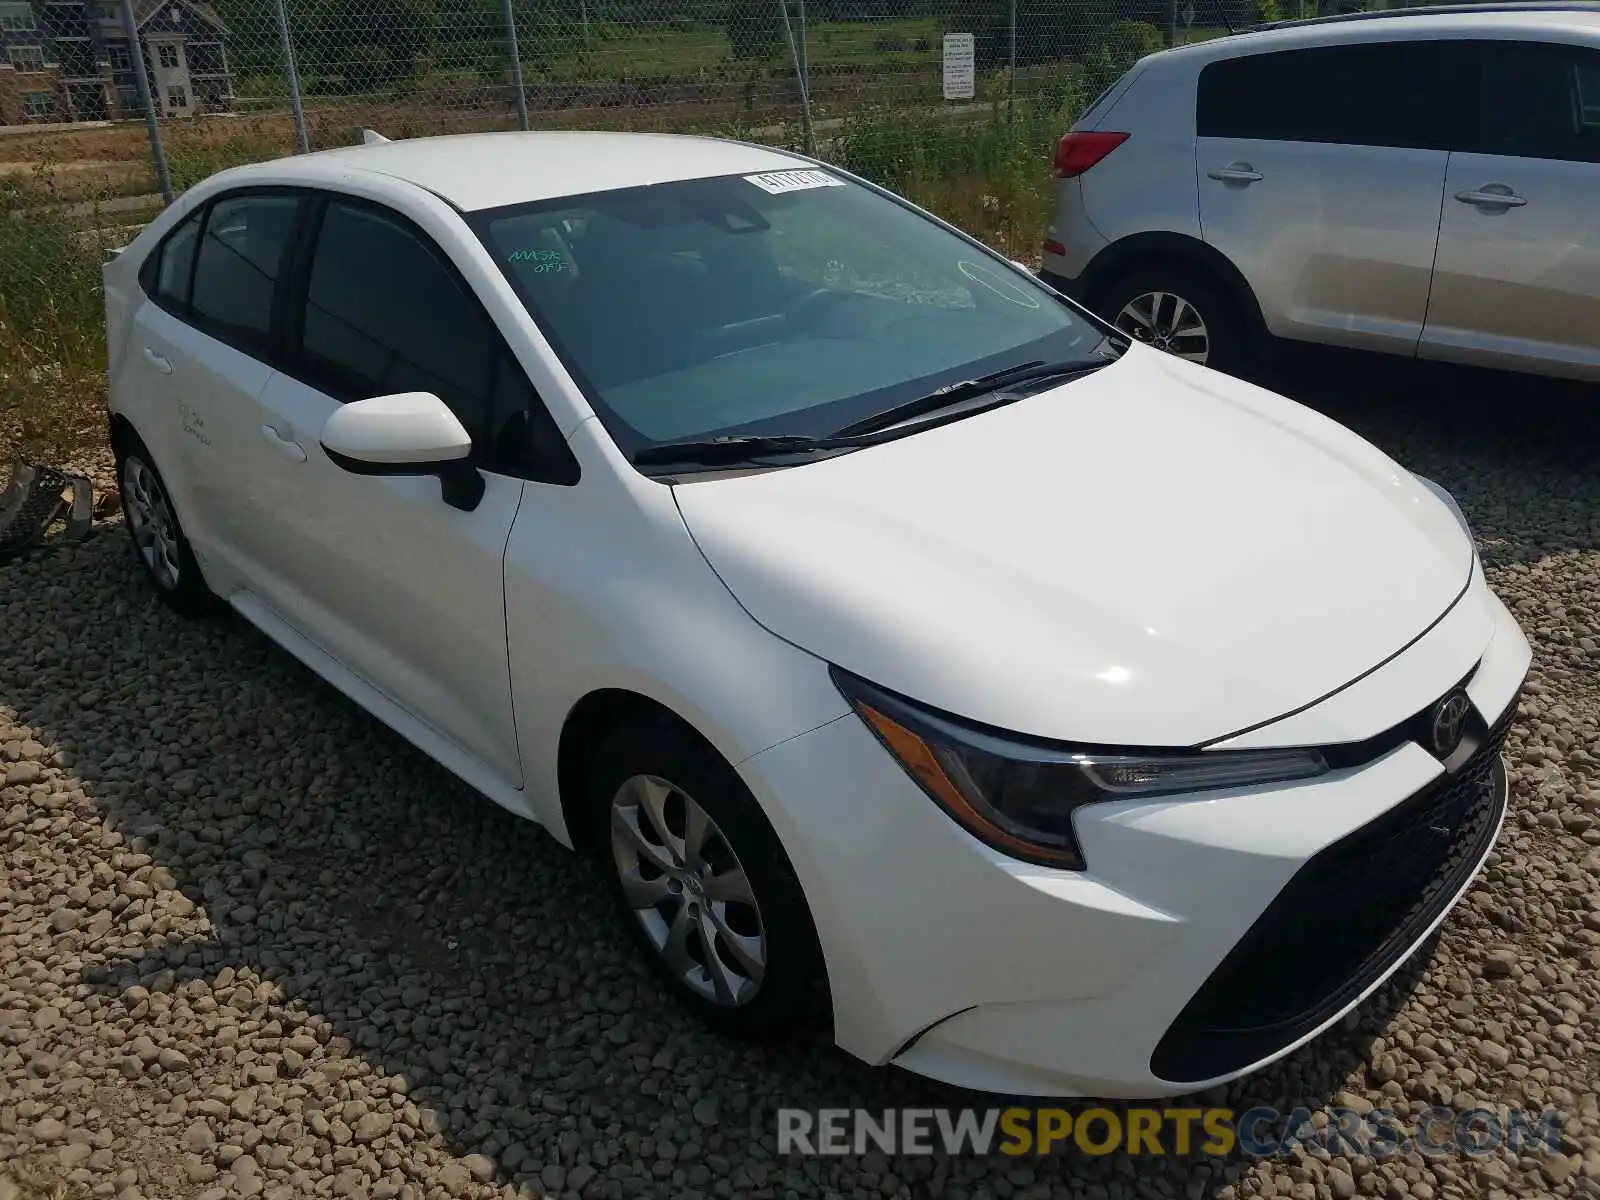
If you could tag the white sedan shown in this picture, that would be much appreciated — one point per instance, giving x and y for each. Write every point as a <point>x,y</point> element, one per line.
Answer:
<point>1046,714</point>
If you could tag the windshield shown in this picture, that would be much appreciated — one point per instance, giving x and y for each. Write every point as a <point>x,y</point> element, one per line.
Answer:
<point>794,302</point>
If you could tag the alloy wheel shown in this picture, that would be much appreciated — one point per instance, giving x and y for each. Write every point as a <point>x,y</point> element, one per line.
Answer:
<point>151,521</point>
<point>689,891</point>
<point>1168,322</point>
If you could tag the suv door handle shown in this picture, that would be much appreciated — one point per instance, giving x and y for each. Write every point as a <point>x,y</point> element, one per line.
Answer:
<point>164,365</point>
<point>288,447</point>
<point>1239,172</point>
<point>1484,198</point>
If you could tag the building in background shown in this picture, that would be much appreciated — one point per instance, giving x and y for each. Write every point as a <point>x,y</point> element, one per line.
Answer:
<point>71,60</point>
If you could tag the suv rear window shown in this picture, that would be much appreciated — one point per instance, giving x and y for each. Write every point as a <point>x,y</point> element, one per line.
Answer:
<point>1411,94</point>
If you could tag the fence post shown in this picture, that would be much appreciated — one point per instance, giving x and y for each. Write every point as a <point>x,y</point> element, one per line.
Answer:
<point>516,63</point>
<point>300,133</point>
<point>1011,68</point>
<point>800,77</point>
<point>805,57</point>
<point>141,75</point>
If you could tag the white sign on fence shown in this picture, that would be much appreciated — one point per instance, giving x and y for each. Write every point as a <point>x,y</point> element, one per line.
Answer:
<point>960,67</point>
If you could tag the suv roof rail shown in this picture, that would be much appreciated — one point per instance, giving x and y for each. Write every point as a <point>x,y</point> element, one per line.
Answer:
<point>1435,10</point>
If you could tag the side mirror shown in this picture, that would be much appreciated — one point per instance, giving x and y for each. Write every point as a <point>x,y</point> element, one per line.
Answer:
<point>408,433</point>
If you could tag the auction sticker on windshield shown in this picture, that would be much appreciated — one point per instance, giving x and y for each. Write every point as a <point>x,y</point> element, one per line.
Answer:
<point>778,182</point>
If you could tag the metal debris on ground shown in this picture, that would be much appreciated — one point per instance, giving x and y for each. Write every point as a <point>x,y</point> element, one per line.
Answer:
<point>36,500</point>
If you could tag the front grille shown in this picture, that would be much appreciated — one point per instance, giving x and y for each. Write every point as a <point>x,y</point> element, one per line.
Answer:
<point>1345,918</point>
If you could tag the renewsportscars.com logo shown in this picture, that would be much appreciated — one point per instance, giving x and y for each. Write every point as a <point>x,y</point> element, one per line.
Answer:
<point>1262,1132</point>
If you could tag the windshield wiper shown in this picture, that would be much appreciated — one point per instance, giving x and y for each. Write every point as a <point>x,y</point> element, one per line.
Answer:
<point>966,389</point>
<point>738,448</point>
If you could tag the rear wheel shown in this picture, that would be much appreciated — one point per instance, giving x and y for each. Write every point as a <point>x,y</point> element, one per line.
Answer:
<point>1180,311</point>
<point>158,539</point>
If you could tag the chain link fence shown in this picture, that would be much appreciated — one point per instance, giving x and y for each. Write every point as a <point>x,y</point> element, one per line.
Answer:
<point>109,108</point>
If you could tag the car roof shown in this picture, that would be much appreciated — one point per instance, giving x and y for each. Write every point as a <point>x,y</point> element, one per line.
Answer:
<point>487,170</point>
<point>1485,20</point>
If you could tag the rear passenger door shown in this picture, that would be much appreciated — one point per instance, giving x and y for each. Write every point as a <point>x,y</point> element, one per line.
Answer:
<point>204,347</point>
<point>1321,175</point>
<point>1517,281</point>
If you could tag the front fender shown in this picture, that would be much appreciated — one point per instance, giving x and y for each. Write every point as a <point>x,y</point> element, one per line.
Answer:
<point>605,590</point>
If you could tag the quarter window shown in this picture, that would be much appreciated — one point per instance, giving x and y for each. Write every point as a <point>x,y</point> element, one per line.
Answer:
<point>241,257</point>
<point>1541,100</point>
<point>1403,94</point>
<point>168,271</point>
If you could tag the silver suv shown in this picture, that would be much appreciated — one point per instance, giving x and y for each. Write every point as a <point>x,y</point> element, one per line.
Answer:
<point>1422,182</point>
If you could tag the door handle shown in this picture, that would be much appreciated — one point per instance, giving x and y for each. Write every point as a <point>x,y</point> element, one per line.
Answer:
<point>1484,198</point>
<point>288,447</point>
<point>1239,172</point>
<point>164,365</point>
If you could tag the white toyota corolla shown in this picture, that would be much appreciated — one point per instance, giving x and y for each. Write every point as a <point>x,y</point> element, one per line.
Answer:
<point>1053,715</point>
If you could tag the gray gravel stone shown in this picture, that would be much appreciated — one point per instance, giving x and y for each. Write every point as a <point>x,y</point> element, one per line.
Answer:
<point>253,944</point>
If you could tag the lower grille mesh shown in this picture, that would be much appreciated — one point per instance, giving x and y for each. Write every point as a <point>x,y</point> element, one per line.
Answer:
<point>1344,919</point>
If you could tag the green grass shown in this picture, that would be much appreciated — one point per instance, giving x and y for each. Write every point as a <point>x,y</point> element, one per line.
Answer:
<point>702,51</point>
<point>915,43</point>
<point>52,341</point>
<point>621,54</point>
<point>990,177</point>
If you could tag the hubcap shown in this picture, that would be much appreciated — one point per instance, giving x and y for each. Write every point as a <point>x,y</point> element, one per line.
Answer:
<point>688,890</point>
<point>1167,322</point>
<point>150,520</point>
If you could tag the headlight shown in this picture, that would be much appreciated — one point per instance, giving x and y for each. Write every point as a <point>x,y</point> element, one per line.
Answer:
<point>1020,796</point>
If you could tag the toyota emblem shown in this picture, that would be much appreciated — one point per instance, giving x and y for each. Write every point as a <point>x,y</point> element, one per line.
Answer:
<point>1448,722</point>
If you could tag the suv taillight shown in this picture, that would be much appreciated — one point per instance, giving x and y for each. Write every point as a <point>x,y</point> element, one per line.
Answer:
<point>1080,151</point>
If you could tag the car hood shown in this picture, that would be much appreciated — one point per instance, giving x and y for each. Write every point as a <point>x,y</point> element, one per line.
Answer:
<point>1155,555</point>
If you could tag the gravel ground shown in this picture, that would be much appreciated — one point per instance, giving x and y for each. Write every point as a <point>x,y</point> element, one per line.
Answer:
<point>252,943</point>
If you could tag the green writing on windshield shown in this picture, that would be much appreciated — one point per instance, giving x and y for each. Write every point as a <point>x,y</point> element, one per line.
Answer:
<point>542,260</point>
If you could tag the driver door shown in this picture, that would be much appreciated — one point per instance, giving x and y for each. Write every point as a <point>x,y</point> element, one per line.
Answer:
<point>381,573</point>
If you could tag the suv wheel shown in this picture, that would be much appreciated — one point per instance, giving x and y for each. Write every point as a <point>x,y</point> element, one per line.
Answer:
<point>1179,311</point>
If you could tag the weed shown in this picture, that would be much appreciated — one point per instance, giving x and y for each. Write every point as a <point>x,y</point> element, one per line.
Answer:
<point>52,345</point>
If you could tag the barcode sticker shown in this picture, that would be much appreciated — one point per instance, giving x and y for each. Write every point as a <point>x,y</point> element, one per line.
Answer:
<point>778,182</point>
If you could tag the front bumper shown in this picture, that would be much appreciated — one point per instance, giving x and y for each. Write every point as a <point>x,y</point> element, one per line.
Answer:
<point>1209,936</point>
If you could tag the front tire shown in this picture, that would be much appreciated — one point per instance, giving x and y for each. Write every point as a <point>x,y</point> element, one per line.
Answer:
<point>703,884</point>
<point>1181,311</point>
<point>159,543</point>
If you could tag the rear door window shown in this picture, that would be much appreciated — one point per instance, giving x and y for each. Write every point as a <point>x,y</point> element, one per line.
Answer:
<point>1399,94</point>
